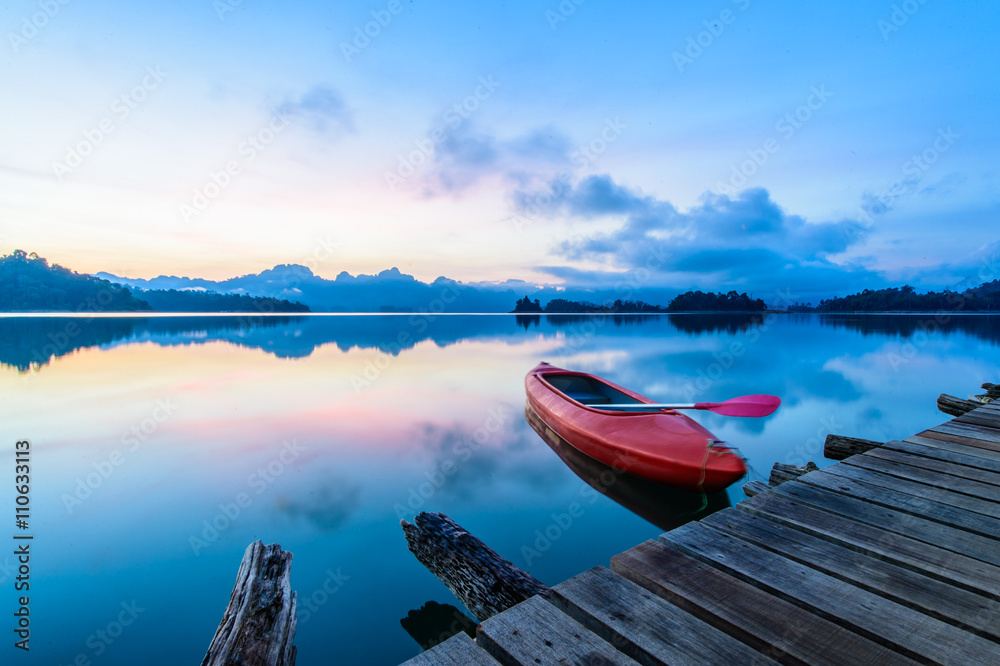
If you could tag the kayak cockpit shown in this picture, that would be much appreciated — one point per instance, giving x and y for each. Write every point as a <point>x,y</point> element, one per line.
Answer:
<point>587,390</point>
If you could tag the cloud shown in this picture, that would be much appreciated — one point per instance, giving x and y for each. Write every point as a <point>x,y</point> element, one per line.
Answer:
<point>723,242</point>
<point>466,156</point>
<point>322,108</point>
<point>328,508</point>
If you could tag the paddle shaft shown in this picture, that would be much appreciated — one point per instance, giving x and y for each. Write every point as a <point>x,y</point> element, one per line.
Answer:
<point>748,405</point>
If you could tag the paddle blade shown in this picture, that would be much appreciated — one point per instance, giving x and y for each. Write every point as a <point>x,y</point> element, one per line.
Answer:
<point>746,405</point>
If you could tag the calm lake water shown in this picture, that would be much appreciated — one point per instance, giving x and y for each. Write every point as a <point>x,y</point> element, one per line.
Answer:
<point>161,447</point>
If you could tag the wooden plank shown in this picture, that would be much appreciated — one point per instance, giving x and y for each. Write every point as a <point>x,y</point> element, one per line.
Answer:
<point>942,495</point>
<point>955,453</point>
<point>928,559</point>
<point>931,478</point>
<point>908,631</point>
<point>981,417</point>
<point>948,603</point>
<point>768,623</point>
<point>645,627</point>
<point>891,520</point>
<point>536,632</point>
<point>972,432</point>
<point>978,474</point>
<point>958,439</point>
<point>459,650</point>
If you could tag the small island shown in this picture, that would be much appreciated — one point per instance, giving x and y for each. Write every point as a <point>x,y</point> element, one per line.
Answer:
<point>691,301</point>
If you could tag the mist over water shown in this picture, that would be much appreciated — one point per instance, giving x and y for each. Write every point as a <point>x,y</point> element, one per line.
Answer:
<point>163,446</point>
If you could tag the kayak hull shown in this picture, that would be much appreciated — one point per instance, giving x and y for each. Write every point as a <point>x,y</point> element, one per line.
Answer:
<point>662,445</point>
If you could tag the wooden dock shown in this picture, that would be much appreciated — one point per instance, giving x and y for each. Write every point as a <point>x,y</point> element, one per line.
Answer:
<point>888,557</point>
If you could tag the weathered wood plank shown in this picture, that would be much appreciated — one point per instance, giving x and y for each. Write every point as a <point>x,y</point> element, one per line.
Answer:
<point>751,488</point>
<point>478,577</point>
<point>768,623</point>
<point>931,560</point>
<point>986,417</point>
<point>892,520</point>
<point>941,467</point>
<point>902,628</point>
<point>948,603</point>
<point>975,504</point>
<point>459,650</point>
<point>931,478</point>
<point>782,472</point>
<point>258,626</point>
<point>646,627</point>
<point>838,447</point>
<point>970,431</point>
<point>958,439</point>
<point>536,632</point>
<point>946,451</point>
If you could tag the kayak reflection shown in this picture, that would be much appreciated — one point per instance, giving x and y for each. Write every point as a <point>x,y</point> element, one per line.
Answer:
<point>662,505</point>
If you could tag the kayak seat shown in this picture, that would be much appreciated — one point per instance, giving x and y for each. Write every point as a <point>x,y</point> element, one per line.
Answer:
<point>590,398</point>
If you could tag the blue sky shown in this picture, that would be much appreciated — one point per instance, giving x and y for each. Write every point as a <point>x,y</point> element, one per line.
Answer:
<point>732,144</point>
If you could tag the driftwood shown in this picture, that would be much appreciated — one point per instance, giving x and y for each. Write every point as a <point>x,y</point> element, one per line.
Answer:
<point>949,404</point>
<point>258,626</point>
<point>838,447</point>
<point>782,472</point>
<point>482,580</point>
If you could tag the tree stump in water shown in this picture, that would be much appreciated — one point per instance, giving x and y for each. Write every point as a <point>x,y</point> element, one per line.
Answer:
<point>482,580</point>
<point>258,626</point>
<point>949,404</point>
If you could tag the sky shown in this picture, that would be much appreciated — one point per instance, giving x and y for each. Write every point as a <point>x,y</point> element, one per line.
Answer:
<point>735,144</point>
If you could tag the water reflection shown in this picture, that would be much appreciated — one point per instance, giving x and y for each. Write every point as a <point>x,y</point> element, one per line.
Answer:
<point>660,504</point>
<point>28,342</point>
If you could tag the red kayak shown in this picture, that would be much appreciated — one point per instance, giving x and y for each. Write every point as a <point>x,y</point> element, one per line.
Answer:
<point>661,445</point>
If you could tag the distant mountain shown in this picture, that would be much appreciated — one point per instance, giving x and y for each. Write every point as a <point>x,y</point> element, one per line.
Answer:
<point>29,284</point>
<point>389,291</point>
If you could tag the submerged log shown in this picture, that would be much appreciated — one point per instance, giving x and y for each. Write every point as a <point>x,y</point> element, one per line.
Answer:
<point>482,580</point>
<point>782,472</point>
<point>752,488</point>
<point>949,404</point>
<point>258,626</point>
<point>838,447</point>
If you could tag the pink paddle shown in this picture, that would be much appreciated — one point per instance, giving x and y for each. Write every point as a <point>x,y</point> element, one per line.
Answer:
<point>747,405</point>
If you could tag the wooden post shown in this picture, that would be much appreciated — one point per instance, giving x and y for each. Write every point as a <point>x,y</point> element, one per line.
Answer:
<point>838,447</point>
<point>949,404</point>
<point>992,392</point>
<point>482,580</point>
<point>751,488</point>
<point>258,626</point>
